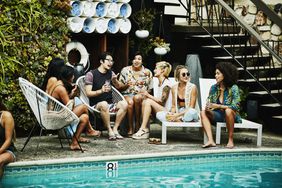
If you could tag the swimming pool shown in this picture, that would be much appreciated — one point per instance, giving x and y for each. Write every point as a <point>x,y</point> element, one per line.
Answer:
<point>234,169</point>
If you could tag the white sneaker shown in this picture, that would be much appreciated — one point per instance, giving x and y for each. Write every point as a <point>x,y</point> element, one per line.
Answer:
<point>141,134</point>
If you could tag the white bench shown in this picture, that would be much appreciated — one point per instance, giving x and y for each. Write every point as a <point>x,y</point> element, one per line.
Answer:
<point>246,124</point>
<point>206,83</point>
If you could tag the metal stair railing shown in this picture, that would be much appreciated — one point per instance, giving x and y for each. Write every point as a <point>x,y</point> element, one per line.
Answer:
<point>219,19</point>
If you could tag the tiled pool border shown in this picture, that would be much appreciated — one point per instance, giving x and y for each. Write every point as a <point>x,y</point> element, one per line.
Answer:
<point>127,161</point>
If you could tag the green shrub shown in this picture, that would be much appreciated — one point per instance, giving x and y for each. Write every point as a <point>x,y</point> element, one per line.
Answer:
<point>31,33</point>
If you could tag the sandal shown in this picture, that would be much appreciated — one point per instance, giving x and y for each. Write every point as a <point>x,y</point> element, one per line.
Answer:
<point>156,141</point>
<point>112,136</point>
<point>118,136</point>
<point>141,134</point>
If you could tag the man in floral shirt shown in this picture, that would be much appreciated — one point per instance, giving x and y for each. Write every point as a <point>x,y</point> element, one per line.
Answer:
<point>136,78</point>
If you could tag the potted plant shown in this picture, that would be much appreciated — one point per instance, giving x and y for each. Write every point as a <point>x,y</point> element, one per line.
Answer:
<point>144,20</point>
<point>161,47</point>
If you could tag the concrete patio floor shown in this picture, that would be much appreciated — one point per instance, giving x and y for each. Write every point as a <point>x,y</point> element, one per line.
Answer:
<point>178,141</point>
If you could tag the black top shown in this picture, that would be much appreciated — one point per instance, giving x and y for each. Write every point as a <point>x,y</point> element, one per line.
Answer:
<point>98,81</point>
<point>3,138</point>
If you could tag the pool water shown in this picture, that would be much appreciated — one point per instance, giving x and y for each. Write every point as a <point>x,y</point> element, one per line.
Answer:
<point>252,169</point>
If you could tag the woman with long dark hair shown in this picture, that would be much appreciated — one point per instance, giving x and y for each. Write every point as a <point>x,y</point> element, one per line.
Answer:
<point>63,90</point>
<point>52,75</point>
<point>223,103</point>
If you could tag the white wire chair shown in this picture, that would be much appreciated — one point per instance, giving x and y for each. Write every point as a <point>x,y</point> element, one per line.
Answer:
<point>49,112</point>
<point>117,96</point>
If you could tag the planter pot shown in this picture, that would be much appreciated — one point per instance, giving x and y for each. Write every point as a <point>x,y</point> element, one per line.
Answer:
<point>160,51</point>
<point>142,33</point>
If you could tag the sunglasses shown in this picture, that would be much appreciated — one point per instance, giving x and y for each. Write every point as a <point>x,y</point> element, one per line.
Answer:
<point>185,74</point>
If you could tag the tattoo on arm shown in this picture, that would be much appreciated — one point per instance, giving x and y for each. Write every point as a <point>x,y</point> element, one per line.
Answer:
<point>165,94</point>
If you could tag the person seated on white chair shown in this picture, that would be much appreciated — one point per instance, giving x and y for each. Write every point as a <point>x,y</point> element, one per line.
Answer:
<point>63,90</point>
<point>50,80</point>
<point>98,89</point>
<point>223,103</point>
<point>185,105</point>
<point>155,104</point>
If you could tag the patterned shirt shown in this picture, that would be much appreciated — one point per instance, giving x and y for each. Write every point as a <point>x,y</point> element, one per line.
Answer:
<point>140,79</point>
<point>231,98</point>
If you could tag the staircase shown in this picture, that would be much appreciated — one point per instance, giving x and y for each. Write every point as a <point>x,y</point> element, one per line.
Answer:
<point>224,39</point>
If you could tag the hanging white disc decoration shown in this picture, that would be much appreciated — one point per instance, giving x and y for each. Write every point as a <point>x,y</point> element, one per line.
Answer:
<point>82,50</point>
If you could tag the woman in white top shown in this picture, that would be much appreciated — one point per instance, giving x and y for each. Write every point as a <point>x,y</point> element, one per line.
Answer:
<point>184,99</point>
<point>158,103</point>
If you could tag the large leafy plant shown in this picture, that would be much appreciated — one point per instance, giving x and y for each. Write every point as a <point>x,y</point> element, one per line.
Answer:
<point>31,33</point>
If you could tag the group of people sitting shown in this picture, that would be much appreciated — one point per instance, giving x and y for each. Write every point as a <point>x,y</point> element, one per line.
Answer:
<point>176,102</point>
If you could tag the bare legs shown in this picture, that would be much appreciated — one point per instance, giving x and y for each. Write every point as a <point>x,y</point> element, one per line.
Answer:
<point>206,117</point>
<point>122,108</point>
<point>103,107</point>
<point>5,158</point>
<point>82,109</point>
<point>147,106</point>
<point>130,115</point>
<point>83,121</point>
<point>230,119</point>
<point>134,109</point>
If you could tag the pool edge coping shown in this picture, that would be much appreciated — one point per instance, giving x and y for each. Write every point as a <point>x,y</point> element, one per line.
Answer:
<point>137,156</point>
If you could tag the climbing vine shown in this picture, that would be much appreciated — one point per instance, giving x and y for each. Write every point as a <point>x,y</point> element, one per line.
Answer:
<point>31,33</point>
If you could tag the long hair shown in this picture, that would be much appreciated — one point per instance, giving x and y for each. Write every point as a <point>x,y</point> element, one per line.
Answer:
<point>67,72</point>
<point>229,71</point>
<point>53,70</point>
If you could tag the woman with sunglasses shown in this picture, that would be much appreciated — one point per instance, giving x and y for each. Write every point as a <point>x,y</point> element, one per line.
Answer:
<point>184,99</point>
<point>223,103</point>
<point>155,104</point>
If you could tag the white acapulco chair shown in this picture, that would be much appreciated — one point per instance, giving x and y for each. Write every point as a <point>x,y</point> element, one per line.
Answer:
<point>49,112</point>
<point>117,96</point>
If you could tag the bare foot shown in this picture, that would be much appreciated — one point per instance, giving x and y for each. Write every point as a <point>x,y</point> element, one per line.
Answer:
<point>230,146</point>
<point>83,140</point>
<point>93,132</point>
<point>76,147</point>
<point>209,144</point>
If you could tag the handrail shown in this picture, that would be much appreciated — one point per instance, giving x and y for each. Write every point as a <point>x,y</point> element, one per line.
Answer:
<point>216,21</point>
<point>248,28</point>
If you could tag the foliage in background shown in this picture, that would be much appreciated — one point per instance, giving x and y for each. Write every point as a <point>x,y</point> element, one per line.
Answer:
<point>144,20</point>
<point>31,33</point>
<point>160,43</point>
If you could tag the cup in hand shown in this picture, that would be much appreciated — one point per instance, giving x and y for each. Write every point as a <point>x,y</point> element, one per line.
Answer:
<point>108,85</point>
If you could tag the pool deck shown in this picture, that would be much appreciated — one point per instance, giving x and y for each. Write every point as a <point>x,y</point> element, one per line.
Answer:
<point>179,142</point>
